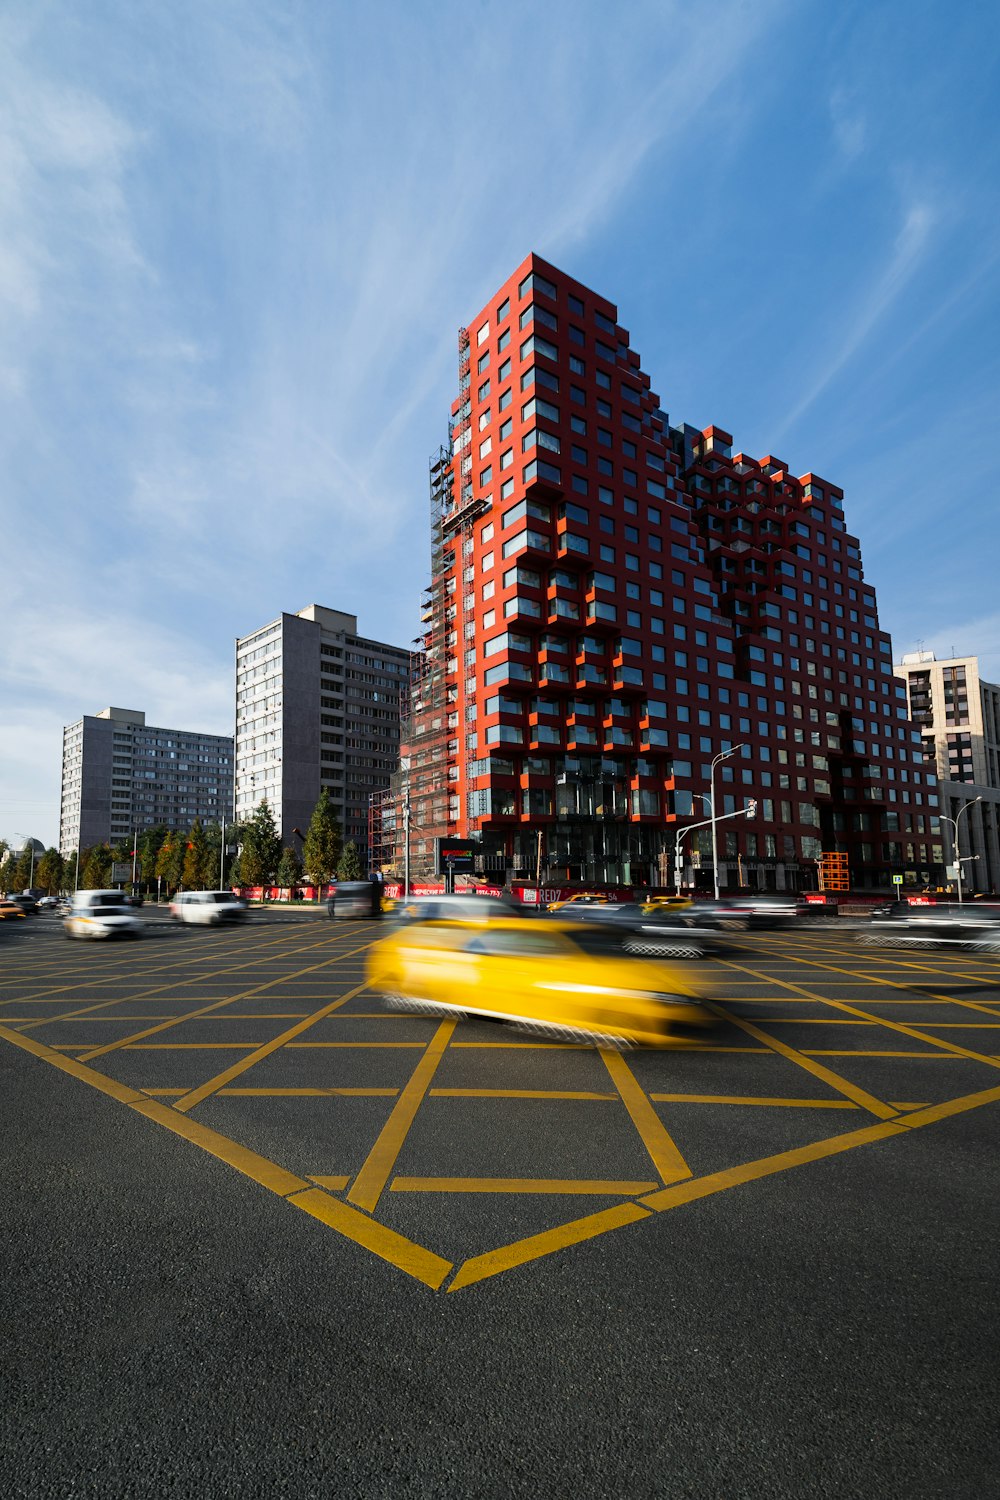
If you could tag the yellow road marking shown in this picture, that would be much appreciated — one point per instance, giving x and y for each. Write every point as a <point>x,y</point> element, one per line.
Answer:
<point>931,1113</point>
<point>664,1155</point>
<point>381,1159</point>
<point>716,1182</point>
<point>554,1185</point>
<point>941,1043</point>
<point>69,1065</point>
<point>479,1267</point>
<point>894,984</point>
<point>422,1264</point>
<point>194,1015</point>
<point>519,1094</point>
<point>202,1092</point>
<point>304,1093</point>
<point>889,1052</point>
<point>332,1184</point>
<point>382,1046</point>
<point>751,1099</point>
<point>839,1085</point>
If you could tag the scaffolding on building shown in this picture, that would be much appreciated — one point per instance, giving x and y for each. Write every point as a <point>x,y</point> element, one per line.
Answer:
<point>437,735</point>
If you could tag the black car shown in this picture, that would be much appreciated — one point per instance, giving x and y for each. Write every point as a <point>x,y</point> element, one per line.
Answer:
<point>661,934</point>
<point>28,904</point>
<point>900,925</point>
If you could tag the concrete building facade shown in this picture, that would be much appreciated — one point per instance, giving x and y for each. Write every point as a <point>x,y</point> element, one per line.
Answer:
<point>958,715</point>
<point>317,705</point>
<point>619,603</point>
<point>120,774</point>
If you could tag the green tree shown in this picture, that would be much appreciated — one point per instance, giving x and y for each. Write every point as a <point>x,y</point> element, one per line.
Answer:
<point>349,864</point>
<point>150,844</point>
<point>323,842</point>
<point>170,861</point>
<point>8,871</point>
<point>50,872</point>
<point>25,863</point>
<point>95,867</point>
<point>289,868</point>
<point>195,846</point>
<point>261,847</point>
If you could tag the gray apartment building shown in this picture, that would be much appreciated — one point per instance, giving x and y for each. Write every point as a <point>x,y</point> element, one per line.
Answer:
<point>317,705</point>
<point>958,715</point>
<point>120,774</point>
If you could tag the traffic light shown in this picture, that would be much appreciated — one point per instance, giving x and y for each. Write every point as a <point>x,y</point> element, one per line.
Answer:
<point>751,808</point>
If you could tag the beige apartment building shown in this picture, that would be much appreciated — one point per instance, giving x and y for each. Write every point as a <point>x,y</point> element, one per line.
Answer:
<point>958,714</point>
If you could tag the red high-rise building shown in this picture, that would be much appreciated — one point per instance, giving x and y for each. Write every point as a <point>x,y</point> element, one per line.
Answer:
<point>617,603</point>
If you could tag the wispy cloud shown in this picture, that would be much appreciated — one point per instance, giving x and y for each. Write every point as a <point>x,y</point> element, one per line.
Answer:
<point>908,249</point>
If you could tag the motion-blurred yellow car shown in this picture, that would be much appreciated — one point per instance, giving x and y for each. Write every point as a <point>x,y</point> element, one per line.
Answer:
<point>9,910</point>
<point>666,903</point>
<point>579,898</point>
<point>552,979</point>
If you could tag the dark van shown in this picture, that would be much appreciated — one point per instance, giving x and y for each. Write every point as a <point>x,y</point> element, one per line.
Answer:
<point>356,898</point>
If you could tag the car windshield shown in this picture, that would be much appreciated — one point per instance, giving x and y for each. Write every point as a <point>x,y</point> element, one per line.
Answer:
<point>223,897</point>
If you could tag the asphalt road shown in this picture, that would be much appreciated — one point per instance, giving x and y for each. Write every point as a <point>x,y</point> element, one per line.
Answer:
<point>262,1238</point>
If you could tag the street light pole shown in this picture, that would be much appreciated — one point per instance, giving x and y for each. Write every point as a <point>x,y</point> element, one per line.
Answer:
<point>957,852</point>
<point>716,760</point>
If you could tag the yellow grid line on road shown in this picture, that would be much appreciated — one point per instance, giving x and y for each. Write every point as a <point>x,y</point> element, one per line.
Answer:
<point>662,1151</point>
<point>204,1090</point>
<point>381,1160</point>
<point>839,1085</point>
<point>166,1025</point>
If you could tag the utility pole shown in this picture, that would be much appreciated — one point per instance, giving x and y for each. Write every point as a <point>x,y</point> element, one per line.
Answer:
<point>716,759</point>
<point>222,853</point>
<point>538,860</point>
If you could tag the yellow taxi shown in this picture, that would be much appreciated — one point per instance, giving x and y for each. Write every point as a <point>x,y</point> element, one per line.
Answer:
<point>579,898</point>
<point>666,903</point>
<point>553,979</point>
<point>9,910</point>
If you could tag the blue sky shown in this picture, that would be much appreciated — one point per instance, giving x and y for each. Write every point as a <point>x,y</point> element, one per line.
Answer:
<point>237,239</point>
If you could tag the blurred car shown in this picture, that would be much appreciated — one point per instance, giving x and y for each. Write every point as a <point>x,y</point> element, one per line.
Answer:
<point>456,909</point>
<point>666,903</point>
<point>579,898</point>
<point>355,898</point>
<point>900,925</point>
<point>555,980</point>
<point>207,908</point>
<point>48,903</point>
<point>10,911</point>
<point>101,914</point>
<point>27,903</point>
<point>666,932</point>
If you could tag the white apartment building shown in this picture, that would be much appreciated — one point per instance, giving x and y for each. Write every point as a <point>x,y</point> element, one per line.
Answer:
<point>317,706</point>
<point>958,714</point>
<point>120,774</point>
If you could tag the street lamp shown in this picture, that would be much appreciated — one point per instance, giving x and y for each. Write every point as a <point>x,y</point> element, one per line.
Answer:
<point>954,823</point>
<point>716,760</point>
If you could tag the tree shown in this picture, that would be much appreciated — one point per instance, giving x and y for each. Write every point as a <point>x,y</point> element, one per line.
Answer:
<point>8,871</point>
<point>349,864</point>
<point>150,844</point>
<point>170,860</point>
<point>95,867</point>
<point>25,863</point>
<point>323,841</point>
<point>261,847</point>
<point>50,871</point>
<point>289,868</point>
<point>194,857</point>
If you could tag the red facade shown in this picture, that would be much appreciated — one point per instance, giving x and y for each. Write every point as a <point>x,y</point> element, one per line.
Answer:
<point>616,601</point>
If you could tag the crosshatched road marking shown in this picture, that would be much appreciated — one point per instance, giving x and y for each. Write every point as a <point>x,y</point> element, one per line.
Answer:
<point>350,1202</point>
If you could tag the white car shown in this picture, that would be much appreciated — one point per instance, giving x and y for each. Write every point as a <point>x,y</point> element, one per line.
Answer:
<point>101,914</point>
<point>207,907</point>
